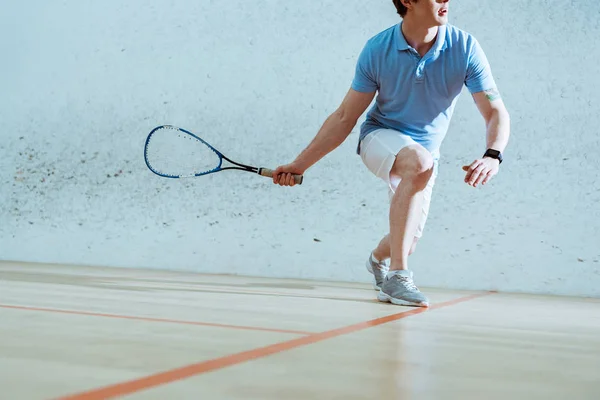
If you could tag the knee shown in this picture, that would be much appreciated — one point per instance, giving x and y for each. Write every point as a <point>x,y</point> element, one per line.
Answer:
<point>423,166</point>
<point>415,164</point>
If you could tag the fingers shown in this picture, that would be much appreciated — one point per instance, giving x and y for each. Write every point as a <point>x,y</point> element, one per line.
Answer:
<point>487,177</point>
<point>469,169</point>
<point>479,173</point>
<point>481,177</point>
<point>290,180</point>
<point>476,174</point>
<point>473,172</point>
<point>283,178</point>
<point>276,175</point>
<point>284,175</point>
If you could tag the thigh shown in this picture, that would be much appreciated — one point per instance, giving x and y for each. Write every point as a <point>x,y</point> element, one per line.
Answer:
<point>379,150</point>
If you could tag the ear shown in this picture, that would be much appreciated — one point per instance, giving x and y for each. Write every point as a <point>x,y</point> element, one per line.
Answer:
<point>406,3</point>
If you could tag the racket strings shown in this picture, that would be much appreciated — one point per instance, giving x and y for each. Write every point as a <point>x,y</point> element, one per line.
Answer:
<point>176,153</point>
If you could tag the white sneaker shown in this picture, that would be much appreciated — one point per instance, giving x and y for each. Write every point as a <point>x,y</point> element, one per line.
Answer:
<point>398,288</point>
<point>378,269</point>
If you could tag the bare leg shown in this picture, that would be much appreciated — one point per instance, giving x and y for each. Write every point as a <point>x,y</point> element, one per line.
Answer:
<point>414,165</point>
<point>383,250</point>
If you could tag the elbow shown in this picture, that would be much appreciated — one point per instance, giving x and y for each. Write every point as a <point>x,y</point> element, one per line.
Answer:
<point>504,115</point>
<point>345,119</point>
<point>498,116</point>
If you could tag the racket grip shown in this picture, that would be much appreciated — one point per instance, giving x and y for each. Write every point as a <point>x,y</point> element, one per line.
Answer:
<point>269,173</point>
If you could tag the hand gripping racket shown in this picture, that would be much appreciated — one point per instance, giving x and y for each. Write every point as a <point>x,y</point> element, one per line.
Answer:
<point>173,152</point>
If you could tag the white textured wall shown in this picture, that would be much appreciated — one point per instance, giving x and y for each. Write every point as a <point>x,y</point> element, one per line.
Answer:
<point>84,81</point>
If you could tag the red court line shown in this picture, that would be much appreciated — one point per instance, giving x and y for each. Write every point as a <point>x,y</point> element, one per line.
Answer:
<point>150,319</point>
<point>161,378</point>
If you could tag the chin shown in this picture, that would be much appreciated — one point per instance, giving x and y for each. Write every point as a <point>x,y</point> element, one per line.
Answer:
<point>441,21</point>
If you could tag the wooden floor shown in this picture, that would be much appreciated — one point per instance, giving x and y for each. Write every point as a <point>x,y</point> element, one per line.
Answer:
<point>94,333</point>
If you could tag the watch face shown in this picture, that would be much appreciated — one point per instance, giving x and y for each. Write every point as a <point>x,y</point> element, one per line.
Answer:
<point>494,154</point>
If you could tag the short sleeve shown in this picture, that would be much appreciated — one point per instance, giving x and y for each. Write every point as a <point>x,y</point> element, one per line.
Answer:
<point>479,73</point>
<point>364,75</point>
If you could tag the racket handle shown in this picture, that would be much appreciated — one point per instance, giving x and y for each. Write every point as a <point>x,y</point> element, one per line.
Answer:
<point>269,173</point>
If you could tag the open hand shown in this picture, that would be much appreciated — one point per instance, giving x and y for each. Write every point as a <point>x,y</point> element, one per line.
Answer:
<point>481,171</point>
<point>283,175</point>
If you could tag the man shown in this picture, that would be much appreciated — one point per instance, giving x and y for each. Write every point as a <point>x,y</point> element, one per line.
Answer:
<point>418,68</point>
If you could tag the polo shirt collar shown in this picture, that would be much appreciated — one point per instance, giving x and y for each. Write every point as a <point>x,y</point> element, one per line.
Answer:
<point>440,39</point>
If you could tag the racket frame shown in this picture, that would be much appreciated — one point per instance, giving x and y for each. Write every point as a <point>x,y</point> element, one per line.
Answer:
<point>237,166</point>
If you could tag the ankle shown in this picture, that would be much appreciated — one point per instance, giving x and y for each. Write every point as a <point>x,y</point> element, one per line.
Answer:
<point>379,257</point>
<point>398,266</point>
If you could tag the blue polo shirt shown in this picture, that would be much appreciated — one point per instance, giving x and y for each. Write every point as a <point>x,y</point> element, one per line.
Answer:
<point>417,95</point>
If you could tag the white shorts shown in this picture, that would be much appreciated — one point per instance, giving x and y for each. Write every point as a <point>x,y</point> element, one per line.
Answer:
<point>378,151</point>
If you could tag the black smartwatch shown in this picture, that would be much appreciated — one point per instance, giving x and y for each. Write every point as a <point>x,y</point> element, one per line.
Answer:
<point>493,154</point>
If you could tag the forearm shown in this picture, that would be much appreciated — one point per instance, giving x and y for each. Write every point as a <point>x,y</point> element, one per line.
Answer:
<point>334,131</point>
<point>498,130</point>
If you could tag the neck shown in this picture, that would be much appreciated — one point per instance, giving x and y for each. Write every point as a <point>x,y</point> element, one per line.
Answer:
<point>419,36</point>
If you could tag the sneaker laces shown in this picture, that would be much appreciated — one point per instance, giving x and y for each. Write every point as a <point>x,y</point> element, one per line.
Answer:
<point>408,283</point>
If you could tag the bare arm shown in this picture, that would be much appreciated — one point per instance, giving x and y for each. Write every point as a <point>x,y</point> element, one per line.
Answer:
<point>497,122</point>
<point>334,131</point>
<point>496,118</point>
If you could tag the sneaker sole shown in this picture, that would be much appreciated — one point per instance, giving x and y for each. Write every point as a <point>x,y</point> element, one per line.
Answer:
<point>389,299</point>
